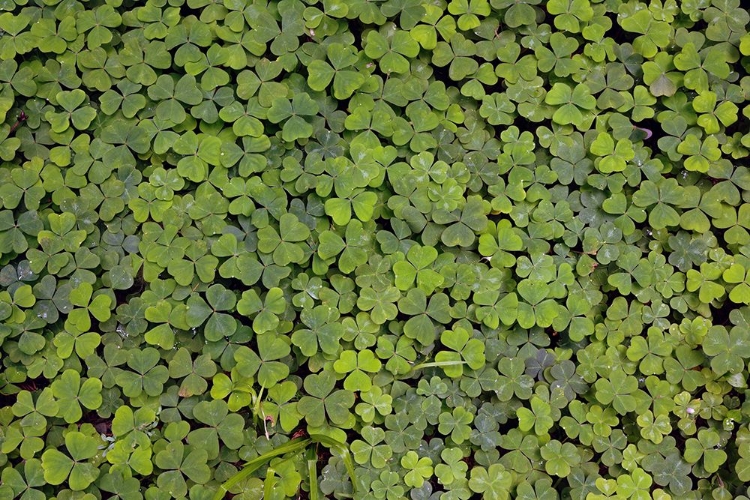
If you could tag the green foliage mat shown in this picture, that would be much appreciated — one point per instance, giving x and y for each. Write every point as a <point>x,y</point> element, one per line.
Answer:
<point>451,249</point>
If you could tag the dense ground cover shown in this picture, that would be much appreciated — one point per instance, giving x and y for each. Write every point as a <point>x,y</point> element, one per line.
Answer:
<point>492,248</point>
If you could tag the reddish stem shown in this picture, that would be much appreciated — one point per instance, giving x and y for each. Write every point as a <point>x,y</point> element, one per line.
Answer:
<point>21,118</point>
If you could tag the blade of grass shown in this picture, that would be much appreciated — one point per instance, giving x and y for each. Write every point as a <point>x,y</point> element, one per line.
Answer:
<point>270,483</point>
<point>437,364</point>
<point>312,472</point>
<point>293,446</point>
<point>342,450</point>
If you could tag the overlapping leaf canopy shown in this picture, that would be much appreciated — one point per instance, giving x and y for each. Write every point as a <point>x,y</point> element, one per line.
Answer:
<point>497,247</point>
